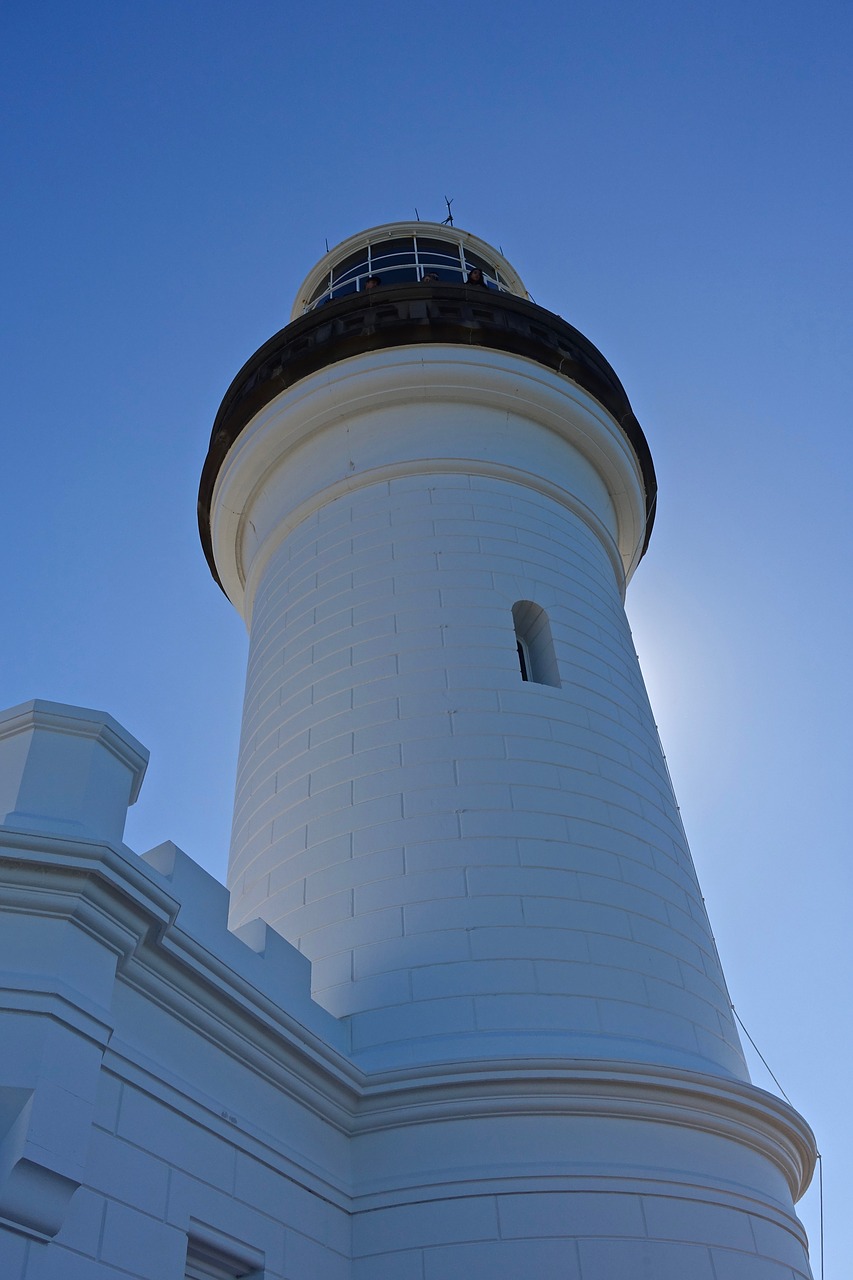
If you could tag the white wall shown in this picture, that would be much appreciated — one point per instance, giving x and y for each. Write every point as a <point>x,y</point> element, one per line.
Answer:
<point>475,865</point>
<point>170,1094</point>
<point>495,864</point>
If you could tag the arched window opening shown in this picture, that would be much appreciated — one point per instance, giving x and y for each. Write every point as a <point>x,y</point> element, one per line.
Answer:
<point>536,657</point>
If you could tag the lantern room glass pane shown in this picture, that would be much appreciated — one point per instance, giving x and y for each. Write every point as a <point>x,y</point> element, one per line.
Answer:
<point>321,289</point>
<point>428,245</point>
<point>440,260</point>
<point>393,264</point>
<point>385,248</point>
<point>450,274</point>
<point>399,275</point>
<point>350,266</point>
<point>474,260</point>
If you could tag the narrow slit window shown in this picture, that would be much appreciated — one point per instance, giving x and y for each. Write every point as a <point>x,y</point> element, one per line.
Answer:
<point>537,660</point>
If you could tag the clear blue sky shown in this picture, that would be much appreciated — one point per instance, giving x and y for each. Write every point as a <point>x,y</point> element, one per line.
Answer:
<point>673,177</point>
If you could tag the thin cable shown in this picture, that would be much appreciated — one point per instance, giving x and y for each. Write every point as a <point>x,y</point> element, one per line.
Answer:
<point>762,1057</point>
<point>820,1186</point>
<point>790,1104</point>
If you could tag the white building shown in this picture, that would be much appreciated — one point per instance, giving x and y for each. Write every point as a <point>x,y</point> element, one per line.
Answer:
<point>469,1018</point>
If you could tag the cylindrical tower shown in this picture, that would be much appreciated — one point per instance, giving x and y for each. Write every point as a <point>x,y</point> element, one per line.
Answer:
<point>426,496</point>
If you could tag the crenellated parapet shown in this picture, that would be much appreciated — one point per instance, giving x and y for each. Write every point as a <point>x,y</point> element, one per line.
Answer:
<point>167,1081</point>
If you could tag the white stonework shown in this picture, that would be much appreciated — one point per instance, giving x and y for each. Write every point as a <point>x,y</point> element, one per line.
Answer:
<point>65,769</point>
<point>174,1103</point>
<point>475,865</point>
<point>469,1019</point>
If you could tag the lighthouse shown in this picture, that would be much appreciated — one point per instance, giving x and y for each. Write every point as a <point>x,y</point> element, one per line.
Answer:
<point>426,496</point>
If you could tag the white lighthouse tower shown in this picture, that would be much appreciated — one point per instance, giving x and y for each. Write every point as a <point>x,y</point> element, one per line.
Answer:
<point>426,496</point>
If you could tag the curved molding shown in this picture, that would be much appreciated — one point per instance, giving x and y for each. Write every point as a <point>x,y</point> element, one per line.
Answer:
<point>433,467</point>
<point>410,319</point>
<point>725,1108</point>
<point>284,446</point>
<point>223,993</point>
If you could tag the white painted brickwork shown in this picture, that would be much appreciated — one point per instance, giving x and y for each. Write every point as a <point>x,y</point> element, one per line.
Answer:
<point>520,1059</point>
<point>174,1105</point>
<point>574,1235</point>
<point>142,1112</point>
<point>458,852</point>
<point>489,876</point>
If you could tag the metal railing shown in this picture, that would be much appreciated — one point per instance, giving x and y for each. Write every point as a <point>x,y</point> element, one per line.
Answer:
<point>402,273</point>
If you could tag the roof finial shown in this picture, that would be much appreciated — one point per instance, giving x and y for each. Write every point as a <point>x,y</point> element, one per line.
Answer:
<point>448,221</point>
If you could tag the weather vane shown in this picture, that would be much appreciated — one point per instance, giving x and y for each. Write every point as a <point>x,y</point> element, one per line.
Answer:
<point>448,221</point>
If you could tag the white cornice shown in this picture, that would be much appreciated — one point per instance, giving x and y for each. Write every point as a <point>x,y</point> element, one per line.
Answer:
<point>284,448</point>
<point>602,1089</point>
<point>113,896</point>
